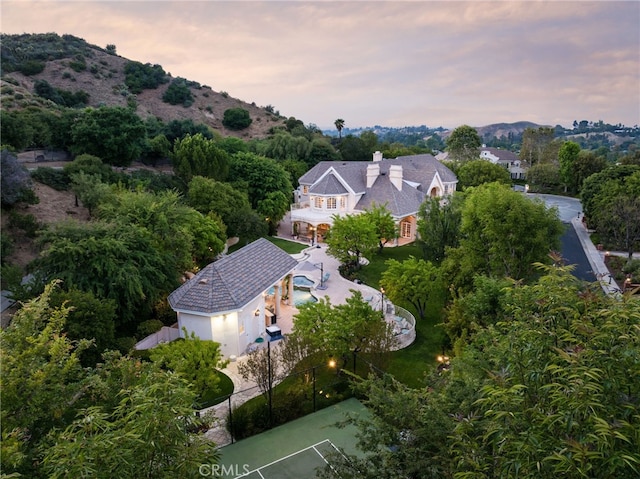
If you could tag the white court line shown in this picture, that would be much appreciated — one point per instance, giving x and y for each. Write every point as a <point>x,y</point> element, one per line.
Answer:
<point>288,456</point>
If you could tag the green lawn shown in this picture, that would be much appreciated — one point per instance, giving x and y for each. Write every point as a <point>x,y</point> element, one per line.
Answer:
<point>291,247</point>
<point>410,364</point>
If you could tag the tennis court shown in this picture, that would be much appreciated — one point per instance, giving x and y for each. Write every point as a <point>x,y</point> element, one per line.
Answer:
<point>301,464</point>
<point>296,449</point>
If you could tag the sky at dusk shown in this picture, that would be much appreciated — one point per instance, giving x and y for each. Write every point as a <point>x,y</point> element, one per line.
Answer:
<point>378,63</point>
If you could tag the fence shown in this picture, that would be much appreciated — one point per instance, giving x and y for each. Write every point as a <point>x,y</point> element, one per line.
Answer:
<point>404,327</point>
<point>165,335</point>
<point>251,411</point>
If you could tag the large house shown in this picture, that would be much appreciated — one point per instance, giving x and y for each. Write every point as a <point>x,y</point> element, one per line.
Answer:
<point>505,158</point>
<point>349,187</point>
<point>226,301</point>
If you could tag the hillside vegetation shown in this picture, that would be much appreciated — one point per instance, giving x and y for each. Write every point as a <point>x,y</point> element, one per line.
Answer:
<point>70,64</point>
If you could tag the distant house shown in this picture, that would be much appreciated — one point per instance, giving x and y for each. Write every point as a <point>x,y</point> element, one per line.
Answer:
<point>226,301</point>
<point>349,187</point>
<point>505,158</point>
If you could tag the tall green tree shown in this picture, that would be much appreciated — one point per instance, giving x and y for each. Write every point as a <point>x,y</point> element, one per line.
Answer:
<point>180,233</point>
<point>41,382</point>
<point>464,144</point>
<point>114,134</point>
<point>439,226</point>
<point>344,329</point>
<point>195,155</point>
<point>539,146</point>
<point>567,157</point>
<point>113,261</point>
<point>478,172</point>
<point>351,237</point>
<point>412,281</point>
<point>384,224</point>
<point>259,177</point>
<point>502,234</point>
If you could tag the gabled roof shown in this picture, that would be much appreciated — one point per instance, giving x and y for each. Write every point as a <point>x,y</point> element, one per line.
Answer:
<point>418,172</point>
<point>231,282</point>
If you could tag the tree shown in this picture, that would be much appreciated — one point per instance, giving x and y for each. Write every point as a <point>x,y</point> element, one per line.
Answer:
<point>195,155</point>
<point>149,433</point>
<point>567,156</point>
<point>179,231</point>
<point>113,261</point>
<point>544,177</point>
<point>41,381</point>
<point>352,148</point>
<point>586,164</point>
<point>178,92</point>
<point>339,123</point>
<point>504,233</point>
<point>194,360</point>
<point>273,208</point>
<point>208,195</point>
<point>236,119</point>
<point>88,318</point>
<point>478,172</point>
<point>351,237</point>
<point>618,218</point>
<point>538,146</point>
<point>439,226</point>
<point>259,177</point>
<point>413,281</point>
<point>550,392</point>
<point>90,165</point>
<point>464,144</point>
<point>344,329</point>
<point>90,190</point>
<point>384,224</point>
<point>114,134</point>
<point>16,182</point>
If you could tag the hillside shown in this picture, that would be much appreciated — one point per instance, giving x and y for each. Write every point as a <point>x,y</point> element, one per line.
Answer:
<point>73,65</point>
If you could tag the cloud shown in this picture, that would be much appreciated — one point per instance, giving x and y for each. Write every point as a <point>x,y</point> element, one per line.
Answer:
<point>390,63</point>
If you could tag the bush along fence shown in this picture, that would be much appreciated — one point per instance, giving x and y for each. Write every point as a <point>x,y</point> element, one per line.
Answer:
<point>297,395</point>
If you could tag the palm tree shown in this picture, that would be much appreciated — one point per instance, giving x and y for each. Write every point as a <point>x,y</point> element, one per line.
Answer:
<point>339,126</point>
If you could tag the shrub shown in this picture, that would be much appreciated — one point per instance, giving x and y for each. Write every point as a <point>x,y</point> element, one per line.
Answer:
<point>236,119</point>
<point>178,93</point>
<point>125,344</point>
<point>26,223</point>
<point>78,64</point>
<point>148,327</point>
<point>31,67</point>
<point>140,76</point>
<point>6,247</point>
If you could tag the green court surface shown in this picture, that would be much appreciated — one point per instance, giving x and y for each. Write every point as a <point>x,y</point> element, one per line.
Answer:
<point>293,450</point>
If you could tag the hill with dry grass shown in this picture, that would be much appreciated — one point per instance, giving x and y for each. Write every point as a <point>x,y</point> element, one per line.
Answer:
<point>73,65</point>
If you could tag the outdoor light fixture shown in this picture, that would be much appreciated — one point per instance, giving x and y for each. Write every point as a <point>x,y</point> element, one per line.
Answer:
<point>382,303</point>
<point>332,363</point>
<point>257,312</point>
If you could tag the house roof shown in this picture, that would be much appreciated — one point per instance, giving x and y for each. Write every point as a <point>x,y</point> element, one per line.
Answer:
<point>503,155</point>
<point>418,172</point>
<point>231,282</point>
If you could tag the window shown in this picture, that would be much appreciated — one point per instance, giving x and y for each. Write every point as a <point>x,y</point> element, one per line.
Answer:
<point>317,202</point>
<point>343,202</point>
<point>405,229</point>
<point>305,190</point>
<point>331,203</point>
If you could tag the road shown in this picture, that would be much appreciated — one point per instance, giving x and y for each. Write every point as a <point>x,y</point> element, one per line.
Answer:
<point>571,248</point>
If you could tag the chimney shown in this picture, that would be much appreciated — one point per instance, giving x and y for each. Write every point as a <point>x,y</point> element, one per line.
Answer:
<point>395,176</point>
<point>373,170</point>
<point>377,156</point>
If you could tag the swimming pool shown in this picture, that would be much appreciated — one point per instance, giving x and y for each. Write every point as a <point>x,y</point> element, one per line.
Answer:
<point>302,281</point>
<point>301,296</point>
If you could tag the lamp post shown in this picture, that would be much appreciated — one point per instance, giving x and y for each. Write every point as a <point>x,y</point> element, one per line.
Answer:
<point>269,379</point>
<point>382,303</point>
<point>313,372</point>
